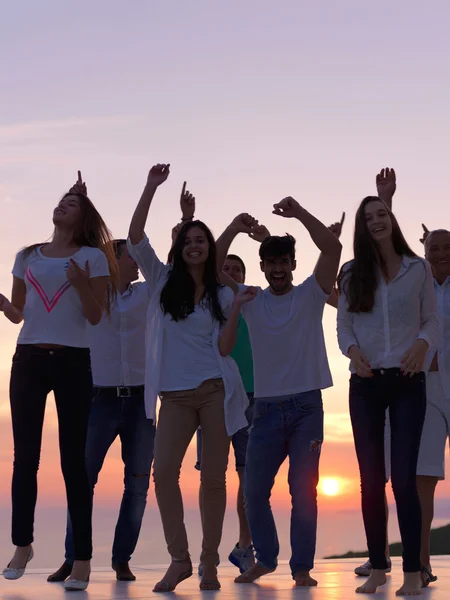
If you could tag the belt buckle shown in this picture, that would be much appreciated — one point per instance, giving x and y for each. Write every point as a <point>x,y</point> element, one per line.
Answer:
<point>124,392</point>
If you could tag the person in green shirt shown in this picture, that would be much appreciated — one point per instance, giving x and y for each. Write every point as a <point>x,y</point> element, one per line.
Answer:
<point>242,555</point>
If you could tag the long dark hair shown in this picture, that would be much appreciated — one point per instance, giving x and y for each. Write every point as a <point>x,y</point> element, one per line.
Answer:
<point>93,232</point>
<point>178,294</point>
<point>360,277</point>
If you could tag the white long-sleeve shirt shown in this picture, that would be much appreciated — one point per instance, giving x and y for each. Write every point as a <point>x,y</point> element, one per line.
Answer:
<point>156,273</point>
<point>404,310</point>
<point>117,343</point>
<point>442,293</point>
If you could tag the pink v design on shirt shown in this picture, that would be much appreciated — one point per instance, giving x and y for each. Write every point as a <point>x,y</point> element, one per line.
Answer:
<point>49,303</point>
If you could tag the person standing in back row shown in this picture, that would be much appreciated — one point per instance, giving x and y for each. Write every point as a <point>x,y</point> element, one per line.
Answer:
<point>58,288</point>
<point>291,369</point>
<point>117,347</point>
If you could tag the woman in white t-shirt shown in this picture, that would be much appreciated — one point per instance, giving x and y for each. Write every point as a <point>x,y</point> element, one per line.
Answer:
<point>387,320</point>
<point>58,287</point>
<point>192,328</point>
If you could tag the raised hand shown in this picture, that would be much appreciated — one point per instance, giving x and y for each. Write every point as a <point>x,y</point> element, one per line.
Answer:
<point>386,183</point>
<point>187,204</point>
<point>245,296</point>
<point>336,228</point>
<point>243,223</point>
<point>360,362</point>
<point>259,233</point>
<point>77,276</point>
<point>158,174</point>
<point>79,187</point>
<point>288,208</point>
<point>425,234</point>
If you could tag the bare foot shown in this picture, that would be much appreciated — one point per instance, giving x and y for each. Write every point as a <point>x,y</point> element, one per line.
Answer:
<point>81,570</point>
<point>376,578</point>
<point>412,585</point>
<point>20,558</point>
<point>303,579</point>
<point>177,572</point>
<point>253,573</point>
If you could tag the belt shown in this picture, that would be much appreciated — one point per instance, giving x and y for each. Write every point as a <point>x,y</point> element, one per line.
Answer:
<point>392,372</point>
<point>123,391</point>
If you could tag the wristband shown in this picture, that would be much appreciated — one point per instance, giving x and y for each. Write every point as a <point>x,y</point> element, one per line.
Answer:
<point>185,219</point>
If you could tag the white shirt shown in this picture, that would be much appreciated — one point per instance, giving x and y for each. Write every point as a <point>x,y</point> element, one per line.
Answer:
<point>117,343</point>
<point>404,311</point>
<point>286,334</point>
<point>53,313</point>
<point>188,356</point>
<point>443,352</point>
<point>156,273</point>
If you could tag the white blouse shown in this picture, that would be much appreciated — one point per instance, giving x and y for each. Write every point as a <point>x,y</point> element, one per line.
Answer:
<point>404,310</point>
<point>156,273</point>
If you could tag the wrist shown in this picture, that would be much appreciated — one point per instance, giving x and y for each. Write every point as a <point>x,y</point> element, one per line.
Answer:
<point>186,218</point>
<point>423,342</point>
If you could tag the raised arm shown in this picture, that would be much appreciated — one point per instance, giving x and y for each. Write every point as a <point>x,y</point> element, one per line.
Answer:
<point>386,185</point>
<point>243,223</point>
<point>328,244</point>
<point>157,175</point>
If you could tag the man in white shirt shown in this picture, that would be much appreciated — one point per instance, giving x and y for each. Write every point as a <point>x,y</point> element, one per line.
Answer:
<point>117,347</point>
<point>290,370</point>
<point>436,429</point>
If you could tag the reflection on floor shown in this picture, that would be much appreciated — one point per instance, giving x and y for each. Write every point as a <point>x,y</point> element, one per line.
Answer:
<point>336,582</point>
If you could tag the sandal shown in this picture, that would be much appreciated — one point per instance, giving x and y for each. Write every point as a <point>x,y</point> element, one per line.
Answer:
<point>210,585</point>
<point>427,576</point>
<point>165,586</point>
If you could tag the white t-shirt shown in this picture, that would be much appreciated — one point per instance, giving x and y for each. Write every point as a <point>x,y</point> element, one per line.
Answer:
<point>117,343</point>
<point>52,312</point>
<point>289,355</point>
<point>188,356</point>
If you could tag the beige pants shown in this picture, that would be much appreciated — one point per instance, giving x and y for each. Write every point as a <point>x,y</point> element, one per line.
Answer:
<point>180,416</point>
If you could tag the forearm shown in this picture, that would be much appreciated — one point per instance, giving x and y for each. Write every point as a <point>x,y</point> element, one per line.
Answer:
<point>137,225</point>
<point>223,245</point>
<point>227,339</point>
<point>320,234</point>
<point>13,314</point>
<point>387,199</point>
<point>91,307</point>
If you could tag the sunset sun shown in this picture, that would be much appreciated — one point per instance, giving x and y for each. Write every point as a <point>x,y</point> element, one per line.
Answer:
<point>329,486</point>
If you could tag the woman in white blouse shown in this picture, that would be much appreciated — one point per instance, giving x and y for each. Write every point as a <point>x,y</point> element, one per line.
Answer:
<point>192,327</point>
<point>58,287</point>
<point>387,320</point>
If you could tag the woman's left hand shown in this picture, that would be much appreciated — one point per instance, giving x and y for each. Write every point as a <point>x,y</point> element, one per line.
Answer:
<point>77,276</point>
<point>245,296</point>
<point>414,360</point>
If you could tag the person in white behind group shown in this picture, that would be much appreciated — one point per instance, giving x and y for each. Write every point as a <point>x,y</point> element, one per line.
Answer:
<point>117,346</point>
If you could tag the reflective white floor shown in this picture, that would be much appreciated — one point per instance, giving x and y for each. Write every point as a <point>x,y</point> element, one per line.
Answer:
<point>336,582</point>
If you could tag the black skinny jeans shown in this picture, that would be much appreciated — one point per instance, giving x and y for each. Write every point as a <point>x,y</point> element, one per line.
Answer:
<point>36,372</point>
<point>406,399</point>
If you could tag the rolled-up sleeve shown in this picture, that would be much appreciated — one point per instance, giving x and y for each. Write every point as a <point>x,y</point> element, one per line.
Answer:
<point>149,264</point>
<point>345,334</point>
<point>429,316</point>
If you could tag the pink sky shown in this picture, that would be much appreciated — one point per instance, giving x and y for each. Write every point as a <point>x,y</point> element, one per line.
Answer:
<point>249,101</point>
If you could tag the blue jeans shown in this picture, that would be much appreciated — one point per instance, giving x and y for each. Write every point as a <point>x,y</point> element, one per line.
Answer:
<point>406,399</point>
<point>286,426</point>
<point>113,416</point>
<point>239,439</point>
